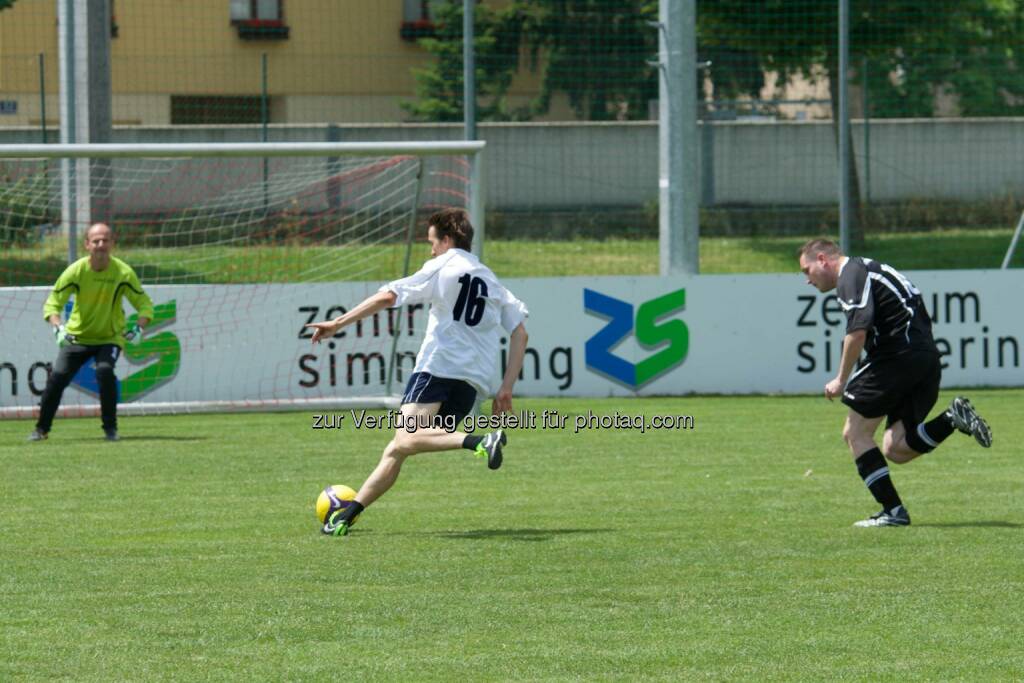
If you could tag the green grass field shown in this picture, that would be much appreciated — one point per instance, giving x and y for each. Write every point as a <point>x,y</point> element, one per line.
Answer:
<point>189,551</point>
<point>938,249</point>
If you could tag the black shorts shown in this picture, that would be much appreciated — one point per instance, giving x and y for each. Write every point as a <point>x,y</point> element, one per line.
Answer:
<point>456,396</point>
<point>903,387</point>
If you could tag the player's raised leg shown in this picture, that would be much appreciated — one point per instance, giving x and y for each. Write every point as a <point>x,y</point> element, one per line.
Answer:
<point>903,444</point>
<point>894,445</point>
<point>456,399</point>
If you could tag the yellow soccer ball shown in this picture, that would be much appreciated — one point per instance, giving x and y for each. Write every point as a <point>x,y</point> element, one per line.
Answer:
<point>333,498</point>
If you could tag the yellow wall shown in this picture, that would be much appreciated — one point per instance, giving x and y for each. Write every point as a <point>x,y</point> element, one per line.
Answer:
<point>190,47</point>
<point>26,30</point>
<point>344,59</point>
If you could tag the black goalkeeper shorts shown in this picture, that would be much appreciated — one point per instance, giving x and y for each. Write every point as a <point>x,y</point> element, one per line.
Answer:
<point>903,387</point>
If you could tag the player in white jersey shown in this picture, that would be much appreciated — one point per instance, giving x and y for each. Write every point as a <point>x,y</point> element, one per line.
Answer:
<point>470,311</point>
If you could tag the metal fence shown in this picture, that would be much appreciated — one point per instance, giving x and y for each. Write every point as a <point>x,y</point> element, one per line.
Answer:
<point>567,100</point>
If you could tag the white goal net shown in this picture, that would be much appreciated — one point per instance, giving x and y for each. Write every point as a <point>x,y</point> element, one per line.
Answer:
<point>239,246</point>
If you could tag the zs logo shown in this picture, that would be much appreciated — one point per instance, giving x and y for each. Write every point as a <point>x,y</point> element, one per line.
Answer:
<point>160,353</point>
<point>649,334</point>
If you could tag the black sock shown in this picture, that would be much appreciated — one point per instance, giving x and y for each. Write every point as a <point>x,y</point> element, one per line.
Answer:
<point>351,511</point>
<point>928,435</point>
<point>875,473</point>
<point>471,442</point>
<point>939,429</point>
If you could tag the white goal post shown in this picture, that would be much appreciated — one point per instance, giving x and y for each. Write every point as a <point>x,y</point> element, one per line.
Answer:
<point>239,245</point>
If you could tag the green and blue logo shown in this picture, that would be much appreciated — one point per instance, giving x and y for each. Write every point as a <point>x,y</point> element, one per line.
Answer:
<point>164,347</point>
<point>673,335</point>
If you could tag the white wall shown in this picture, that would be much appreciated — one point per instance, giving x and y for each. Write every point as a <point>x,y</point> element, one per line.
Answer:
<point>593,165</point>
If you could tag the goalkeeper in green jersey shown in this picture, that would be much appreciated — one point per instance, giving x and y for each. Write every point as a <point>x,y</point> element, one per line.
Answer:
<point>96,328</point>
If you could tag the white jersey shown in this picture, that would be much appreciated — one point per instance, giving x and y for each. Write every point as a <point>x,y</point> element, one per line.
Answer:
<point>469,313</point>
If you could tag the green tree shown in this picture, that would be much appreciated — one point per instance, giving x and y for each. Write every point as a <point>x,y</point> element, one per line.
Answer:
<point>912,49</point>
<point>597,52</point>
<point>439,87</point>
<point>733,72</point>
<point>970,49</point>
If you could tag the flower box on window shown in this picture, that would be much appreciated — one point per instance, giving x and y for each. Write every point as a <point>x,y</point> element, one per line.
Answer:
<point>414,30</point>
<point>261,29</point>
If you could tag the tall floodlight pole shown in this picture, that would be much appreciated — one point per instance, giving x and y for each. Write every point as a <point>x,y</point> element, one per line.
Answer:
<point>85,113</point>
<point>678,209</point>
<point>476,206</point>
<point>844,126</point>
<point>68,199</point>
<point>468,69</point>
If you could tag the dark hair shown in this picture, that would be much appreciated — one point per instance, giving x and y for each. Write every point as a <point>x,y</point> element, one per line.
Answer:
<point>453,223</point>
<point>819,245</point>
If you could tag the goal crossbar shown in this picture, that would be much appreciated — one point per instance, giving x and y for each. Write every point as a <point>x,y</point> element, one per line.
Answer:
<point>238,149</point>
<point>196,407</point>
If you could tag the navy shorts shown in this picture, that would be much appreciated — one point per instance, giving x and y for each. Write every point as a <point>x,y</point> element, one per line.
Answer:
<point>456,396</point>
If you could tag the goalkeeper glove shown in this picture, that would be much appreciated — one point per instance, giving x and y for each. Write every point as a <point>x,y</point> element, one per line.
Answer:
<point>134,334</point>
<point>61,336</point>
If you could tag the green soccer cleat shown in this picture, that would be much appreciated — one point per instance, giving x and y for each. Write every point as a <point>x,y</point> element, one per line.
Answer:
<point>334,526</point>
<point>490,448</point>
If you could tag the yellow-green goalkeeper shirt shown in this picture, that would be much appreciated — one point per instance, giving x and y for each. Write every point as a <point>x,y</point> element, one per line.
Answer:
<point>97,316</point>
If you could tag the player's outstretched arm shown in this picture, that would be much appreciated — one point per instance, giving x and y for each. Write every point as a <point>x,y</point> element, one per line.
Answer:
<point>369,306</point>
<point>517,350</point>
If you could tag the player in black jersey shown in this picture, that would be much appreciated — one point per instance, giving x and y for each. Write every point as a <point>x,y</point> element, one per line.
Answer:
<point>898,379</point>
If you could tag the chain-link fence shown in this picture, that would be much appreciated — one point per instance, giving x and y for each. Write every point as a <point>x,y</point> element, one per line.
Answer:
<point>567,101</point>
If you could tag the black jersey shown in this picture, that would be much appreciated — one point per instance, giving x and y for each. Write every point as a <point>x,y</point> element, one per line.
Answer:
<point>881,300</point>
